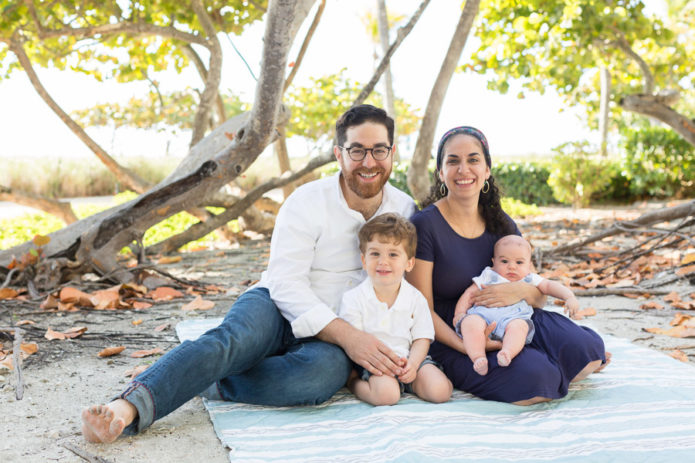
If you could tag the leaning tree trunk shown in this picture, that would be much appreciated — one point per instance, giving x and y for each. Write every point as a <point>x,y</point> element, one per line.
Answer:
<point>655,106</point>
<point>418,178</point>
<point>66,243</point>
<point>604,110</point>
<point>96,249</point>
<point>383,22</point>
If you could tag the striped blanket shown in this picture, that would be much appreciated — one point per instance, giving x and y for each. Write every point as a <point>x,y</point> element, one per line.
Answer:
<point>641,408</point>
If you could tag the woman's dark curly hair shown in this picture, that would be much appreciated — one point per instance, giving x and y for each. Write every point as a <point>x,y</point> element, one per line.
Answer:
<point>496,221</point>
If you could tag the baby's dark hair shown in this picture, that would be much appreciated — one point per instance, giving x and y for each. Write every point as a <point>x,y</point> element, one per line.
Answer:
<point>390,226</point>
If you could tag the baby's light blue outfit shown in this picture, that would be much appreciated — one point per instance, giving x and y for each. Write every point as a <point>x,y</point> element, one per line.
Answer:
<point>503,315</point>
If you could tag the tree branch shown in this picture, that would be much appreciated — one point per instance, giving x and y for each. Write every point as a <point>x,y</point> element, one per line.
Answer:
<point>622,44</point>
<point>661,215</point>
<point>203,72</point>
<point>654,106</point>
<point>59,209</point>
<point>401,35</point>
<point>305,45</point>
<point>214,74</point>
<point>201,229</point>
<point>110,29</point>
<point>124,175</point>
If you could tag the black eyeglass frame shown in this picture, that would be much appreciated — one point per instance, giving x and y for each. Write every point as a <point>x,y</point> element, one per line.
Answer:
<point>350,149</point>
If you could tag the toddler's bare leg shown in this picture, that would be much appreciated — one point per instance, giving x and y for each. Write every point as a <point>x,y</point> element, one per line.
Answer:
<point>432,385</point>
<point>379,390</point>
<point>473,333</point>
<point>514,340</point>
<point>104,423</point>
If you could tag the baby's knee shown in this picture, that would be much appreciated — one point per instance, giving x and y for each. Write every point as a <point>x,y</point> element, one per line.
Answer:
<point>518,325</point>
<point>473,322</point>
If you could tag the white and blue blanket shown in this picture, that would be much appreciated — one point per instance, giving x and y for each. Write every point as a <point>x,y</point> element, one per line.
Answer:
<point>639,409</point>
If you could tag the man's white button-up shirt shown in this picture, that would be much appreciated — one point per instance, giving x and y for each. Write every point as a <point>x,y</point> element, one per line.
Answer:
<point>314,252</point>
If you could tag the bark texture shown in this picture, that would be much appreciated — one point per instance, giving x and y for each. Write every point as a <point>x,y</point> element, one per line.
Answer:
<point>418,178</point>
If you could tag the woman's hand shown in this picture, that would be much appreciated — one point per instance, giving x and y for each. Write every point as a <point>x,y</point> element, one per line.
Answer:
<point>504,294</point>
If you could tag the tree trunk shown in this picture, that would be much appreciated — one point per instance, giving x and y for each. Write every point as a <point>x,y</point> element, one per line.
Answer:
<point>203,72</point>
<point>97,247</point>
<point>207,159</point>
<point>59,209</point>
<point>418,177</point>
<point>654,106</point>
<point>283,156</point>
<point>214,74</point>
<point>382,17</point>
<point>604,110</point>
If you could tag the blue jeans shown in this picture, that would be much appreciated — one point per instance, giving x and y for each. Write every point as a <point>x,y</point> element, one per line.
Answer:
<point>251,357</point>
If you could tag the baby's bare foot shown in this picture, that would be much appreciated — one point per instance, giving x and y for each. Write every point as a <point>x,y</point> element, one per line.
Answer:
<point>504,358</point>
<point>104,423</point>
<point>480,365</point>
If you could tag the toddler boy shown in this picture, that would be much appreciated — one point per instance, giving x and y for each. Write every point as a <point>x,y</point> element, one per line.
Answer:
<point>391,309</point>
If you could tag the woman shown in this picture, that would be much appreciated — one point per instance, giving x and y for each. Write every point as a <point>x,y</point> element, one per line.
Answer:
<point>457,231</point>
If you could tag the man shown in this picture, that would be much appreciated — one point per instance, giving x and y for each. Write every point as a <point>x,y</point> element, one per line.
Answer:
<point>281,343</point>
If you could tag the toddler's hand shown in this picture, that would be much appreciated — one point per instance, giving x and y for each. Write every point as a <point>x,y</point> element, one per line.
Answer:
<point>408,375</point>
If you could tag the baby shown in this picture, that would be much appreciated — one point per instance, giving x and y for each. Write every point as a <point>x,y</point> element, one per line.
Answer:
<point>390,308</point>
<point>511,262</point>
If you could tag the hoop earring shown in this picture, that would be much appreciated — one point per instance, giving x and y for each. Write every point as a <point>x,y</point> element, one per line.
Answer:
<point>486,187</point>
<point>442,190</point>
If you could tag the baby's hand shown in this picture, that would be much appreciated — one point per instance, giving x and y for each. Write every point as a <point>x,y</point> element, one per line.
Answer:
<point>571,307</point>
<point>408,375</point>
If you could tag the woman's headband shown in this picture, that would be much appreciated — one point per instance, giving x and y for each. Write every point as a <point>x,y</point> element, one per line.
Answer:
<point>464,130</point>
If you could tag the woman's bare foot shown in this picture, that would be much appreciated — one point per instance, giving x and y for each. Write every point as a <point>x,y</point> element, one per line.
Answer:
<point>604,365</point>
<point>480,365</point>
<point>504,358</point>
<point>104,423</point>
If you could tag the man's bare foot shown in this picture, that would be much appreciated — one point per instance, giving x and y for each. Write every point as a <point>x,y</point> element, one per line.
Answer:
<point>504,358</point>
<point>605,364</point>
<point>104,423</point>
<point>480,365</point>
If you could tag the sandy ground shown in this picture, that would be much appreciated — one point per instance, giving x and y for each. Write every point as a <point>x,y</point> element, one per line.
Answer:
<point>65,376</point>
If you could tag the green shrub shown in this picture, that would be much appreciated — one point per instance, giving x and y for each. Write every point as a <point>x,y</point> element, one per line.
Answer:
<point>517,209</point>
<point>525,181</point>
<point>658,162</point>
<point>576,173</point>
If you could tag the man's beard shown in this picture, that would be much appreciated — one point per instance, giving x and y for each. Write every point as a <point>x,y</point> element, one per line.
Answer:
<point>366,190</point>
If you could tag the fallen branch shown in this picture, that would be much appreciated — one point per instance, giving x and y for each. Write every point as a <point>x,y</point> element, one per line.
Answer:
<point>618,291</point>
<point>85,455</point>
<point>17,360</point>
<point>662,215</point>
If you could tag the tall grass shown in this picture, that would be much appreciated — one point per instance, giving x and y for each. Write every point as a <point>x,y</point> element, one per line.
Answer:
<point>69,178</point>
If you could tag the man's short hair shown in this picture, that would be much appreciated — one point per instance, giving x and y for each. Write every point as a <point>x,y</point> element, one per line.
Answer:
<point>392,227</point>
<point>359,115</point>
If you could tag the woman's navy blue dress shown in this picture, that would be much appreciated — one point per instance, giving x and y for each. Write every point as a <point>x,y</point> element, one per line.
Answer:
<point>560,348</point>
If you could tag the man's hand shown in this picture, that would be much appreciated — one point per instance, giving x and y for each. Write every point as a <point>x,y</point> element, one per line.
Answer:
<point>366,350</point>
<point>409,374</point>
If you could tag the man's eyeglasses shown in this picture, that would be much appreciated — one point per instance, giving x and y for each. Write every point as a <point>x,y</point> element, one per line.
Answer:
<point>357,153</point>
